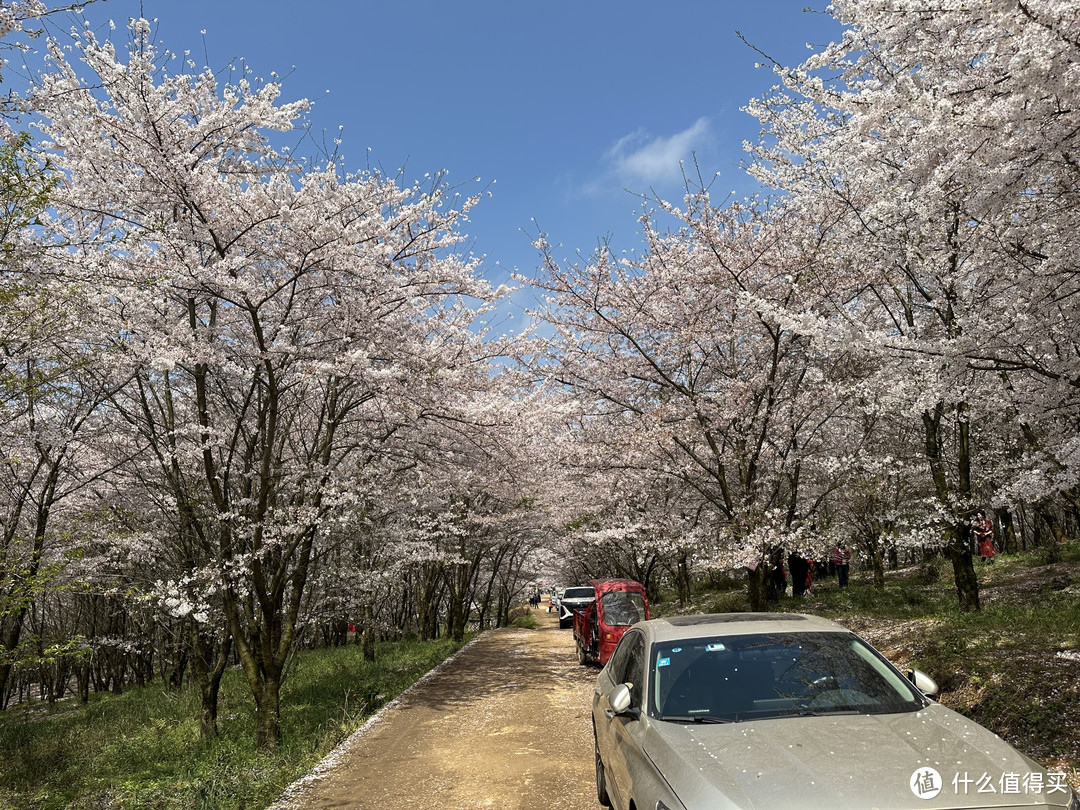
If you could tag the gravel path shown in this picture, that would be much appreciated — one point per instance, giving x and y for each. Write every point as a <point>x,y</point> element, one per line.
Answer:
<point>504,724</point>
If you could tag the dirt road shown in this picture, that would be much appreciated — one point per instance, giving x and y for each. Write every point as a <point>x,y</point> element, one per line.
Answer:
<point>504,724</point>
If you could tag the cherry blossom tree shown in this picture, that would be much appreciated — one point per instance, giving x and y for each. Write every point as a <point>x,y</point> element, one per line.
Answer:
<point>913,278</point>
<point>947,136</point>
<point>475,503</point>
<point>278,320</point>
<point>689,356</point>
<point>49,400</point>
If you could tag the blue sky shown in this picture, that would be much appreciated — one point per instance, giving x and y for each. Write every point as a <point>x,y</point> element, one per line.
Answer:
<point>563,106</point>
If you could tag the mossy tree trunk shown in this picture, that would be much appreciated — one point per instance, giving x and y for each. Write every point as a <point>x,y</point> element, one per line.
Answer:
<point>957,532</point>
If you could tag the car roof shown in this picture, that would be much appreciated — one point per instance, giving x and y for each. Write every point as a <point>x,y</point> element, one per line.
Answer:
<point>608,585</point>
<point>734,624</point>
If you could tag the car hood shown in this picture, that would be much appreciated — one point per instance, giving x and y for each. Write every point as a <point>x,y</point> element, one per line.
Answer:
<point>840,761</point>
<point>576,604</point>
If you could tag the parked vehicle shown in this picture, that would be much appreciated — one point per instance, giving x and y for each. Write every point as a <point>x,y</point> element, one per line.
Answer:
<point>619,603</point>
<point>575,598</point>
<point>755,710</point>
<point>553,601</point>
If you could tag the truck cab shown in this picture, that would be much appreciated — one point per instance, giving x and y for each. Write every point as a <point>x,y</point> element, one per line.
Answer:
<point>597,629</point>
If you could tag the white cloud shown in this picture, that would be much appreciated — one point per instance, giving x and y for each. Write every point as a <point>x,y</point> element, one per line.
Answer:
<point>639,158</point>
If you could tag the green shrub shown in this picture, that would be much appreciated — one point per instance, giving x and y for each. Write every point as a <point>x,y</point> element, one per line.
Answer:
<point>526,622</point>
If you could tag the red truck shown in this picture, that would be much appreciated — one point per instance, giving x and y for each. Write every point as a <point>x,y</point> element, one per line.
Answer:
<point>597,629</point>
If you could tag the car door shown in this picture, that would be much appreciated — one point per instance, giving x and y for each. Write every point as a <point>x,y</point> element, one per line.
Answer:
<point>628,666</point>
<point>609,678</point>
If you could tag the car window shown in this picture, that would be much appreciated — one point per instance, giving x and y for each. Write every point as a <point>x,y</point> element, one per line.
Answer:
<point>628,665</point>
<point>621,608</point>
<point>617,667</point>
<point>578,593</point>
<point>774,675</point>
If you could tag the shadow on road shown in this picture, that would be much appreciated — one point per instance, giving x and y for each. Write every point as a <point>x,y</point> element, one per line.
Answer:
<point>480,732</point>
<point>507,659</point>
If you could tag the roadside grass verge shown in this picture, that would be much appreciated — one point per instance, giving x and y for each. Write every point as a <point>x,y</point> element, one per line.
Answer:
<point>142,749</point>
<point>526,622</point>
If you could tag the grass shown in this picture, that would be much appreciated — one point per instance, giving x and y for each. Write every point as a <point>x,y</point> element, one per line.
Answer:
<point>526,622</point>
<point>1009,666</point>
<point>142,749</point>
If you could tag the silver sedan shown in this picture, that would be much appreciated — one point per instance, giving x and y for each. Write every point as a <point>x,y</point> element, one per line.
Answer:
<point>746,711</point>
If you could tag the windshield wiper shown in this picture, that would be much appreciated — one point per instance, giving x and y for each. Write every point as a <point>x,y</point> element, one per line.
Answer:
<point>806,711</point>
<point>695,718</point>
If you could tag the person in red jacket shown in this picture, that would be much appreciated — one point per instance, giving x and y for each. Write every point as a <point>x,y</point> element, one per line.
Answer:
<point>984,536</point>
<point>841,558</point>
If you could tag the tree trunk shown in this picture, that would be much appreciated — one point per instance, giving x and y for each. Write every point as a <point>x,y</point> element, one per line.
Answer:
<point>967,584</point>
<point>427,608</point>
<point>267,703</point>
<point>455,620</point>
<point>682,579</point>
<point>83,679</point>
<point>208,714</point>
<point>502,610</point>
<point>25,581</point>
<point>368,631</point>
<point>460,579</point>
<point>5,678</point>
<point>209,658</point>
<point>176,664</point>
<point>1057,533</point>
<point>958,543</point>
<point>1007,528</point>
<point>757,586</point>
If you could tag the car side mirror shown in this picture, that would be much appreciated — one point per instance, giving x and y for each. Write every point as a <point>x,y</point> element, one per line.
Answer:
<point>620,698</point>
<point>923,682</point>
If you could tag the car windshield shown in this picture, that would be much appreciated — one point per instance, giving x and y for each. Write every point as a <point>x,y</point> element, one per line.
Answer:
<point>621,608</point>
<point>578,593</point>
<point>750,677</point>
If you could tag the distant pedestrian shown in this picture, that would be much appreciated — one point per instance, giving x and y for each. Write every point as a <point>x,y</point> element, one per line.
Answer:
<point>779,579</point>
<point>841,558</point>
<point>799,567</point>
<point>984,536</point>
